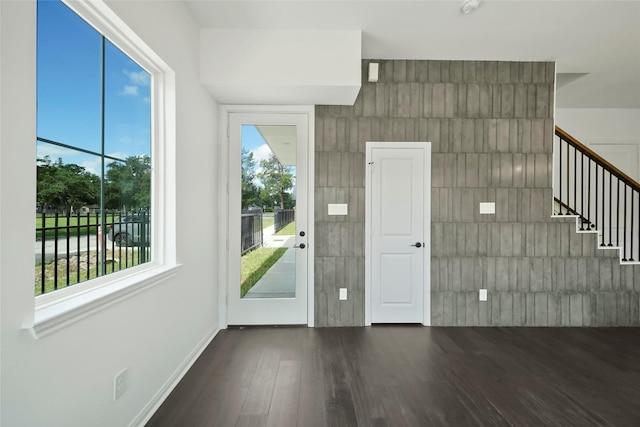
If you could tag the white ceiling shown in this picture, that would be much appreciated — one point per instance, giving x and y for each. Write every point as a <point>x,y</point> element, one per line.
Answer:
<point>600,39</point>
<point>282,141</point>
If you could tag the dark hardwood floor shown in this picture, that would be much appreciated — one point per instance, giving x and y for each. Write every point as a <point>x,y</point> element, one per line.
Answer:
<point>411,376</point>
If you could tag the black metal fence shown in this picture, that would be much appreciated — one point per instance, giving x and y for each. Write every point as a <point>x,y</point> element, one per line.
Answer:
<point>282,218</point>
<point>73,248</point>
<point>251,226</point>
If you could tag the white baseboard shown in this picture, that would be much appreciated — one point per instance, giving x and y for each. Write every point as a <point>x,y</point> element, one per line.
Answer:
<point>150,408</point>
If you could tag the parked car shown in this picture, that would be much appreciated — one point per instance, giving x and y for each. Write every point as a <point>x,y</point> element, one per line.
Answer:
<point>131,230</point>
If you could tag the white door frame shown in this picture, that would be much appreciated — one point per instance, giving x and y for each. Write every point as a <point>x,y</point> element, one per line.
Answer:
<point>223,199</point>
<point>370,145</point>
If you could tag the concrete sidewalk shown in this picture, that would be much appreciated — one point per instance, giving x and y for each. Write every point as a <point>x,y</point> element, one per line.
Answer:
<point>280,280</point>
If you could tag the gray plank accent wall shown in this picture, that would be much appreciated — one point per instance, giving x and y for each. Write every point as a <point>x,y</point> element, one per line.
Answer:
<point>491,129</point>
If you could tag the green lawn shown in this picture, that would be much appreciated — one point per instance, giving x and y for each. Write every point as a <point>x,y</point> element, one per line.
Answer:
<point>255,264</point>
<point>288,230</point>
<point>120,259</point>
<point>83,225</point>
<point>267,221</point>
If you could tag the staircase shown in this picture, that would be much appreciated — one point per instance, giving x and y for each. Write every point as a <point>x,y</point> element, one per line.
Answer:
<point>601,197</point>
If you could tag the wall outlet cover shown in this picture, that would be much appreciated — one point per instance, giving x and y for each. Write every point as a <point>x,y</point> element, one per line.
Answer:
<point>483,294</point>
<point>120,383</point>
<point>343,294</point>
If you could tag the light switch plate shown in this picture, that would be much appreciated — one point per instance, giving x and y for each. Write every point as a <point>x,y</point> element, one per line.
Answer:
<point>483,294</point>
<point>487,208</point>
<point>338,209</point>
<point>343,294</point>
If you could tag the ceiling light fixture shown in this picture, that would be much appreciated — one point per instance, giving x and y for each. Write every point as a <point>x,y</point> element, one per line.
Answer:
<point>469,6</point>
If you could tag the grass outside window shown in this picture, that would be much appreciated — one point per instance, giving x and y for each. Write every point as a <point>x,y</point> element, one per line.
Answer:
<point>288,230</point>
<point>255,264</point>
<point>83,267</point>
<point>267,221</point>
<point>71,226</point>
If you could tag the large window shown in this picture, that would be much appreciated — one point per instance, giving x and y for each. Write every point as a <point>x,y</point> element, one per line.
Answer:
<point>93,214</point>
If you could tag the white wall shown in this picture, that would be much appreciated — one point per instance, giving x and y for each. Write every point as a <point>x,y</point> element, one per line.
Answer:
<point>612,133</point>
<point>600,123</point>
<point>287,67</point>
<point>65,379</point>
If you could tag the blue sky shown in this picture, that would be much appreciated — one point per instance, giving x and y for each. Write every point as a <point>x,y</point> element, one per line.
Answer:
<point>70,94</point>
<point>253,141</point>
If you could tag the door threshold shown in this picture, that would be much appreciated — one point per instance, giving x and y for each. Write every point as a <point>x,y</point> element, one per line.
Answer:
<point>265,326</point>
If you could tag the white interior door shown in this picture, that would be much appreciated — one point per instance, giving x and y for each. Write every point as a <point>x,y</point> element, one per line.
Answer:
<point>267,271</point>
<point>399,193</point>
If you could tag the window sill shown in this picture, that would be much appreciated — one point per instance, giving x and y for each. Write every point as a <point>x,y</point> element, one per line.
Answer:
<point>57,315</point>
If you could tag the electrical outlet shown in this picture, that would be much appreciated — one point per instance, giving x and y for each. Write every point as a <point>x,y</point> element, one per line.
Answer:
<point>343,294</point>
<point>483,294</point>
<point>120,384</point>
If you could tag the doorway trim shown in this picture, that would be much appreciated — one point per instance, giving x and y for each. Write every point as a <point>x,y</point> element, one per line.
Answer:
<point>368,294</point>
<point>223,198</point>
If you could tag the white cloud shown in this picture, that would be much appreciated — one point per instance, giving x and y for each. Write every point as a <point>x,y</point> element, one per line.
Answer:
<point>117,155</point>
<point>138,78</point>
<point>261,153</point>
<point>92,165</point>
<point>54,151</point>
<point>89,162</point>
<point>130,90</point>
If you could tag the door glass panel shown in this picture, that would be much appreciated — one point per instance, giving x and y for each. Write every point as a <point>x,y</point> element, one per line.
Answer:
<point>268,228</point>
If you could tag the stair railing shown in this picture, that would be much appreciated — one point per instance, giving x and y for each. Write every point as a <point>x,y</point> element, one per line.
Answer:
<point>605,198</point>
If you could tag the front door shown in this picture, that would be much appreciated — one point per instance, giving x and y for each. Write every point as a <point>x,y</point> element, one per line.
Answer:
<point>267,219</point>
<point>399,194</point>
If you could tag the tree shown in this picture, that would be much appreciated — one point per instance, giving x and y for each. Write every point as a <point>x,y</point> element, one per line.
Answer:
<point>128,184</point>
<point>65,185</point>
<point>276,180</point>
<point>250,191</point>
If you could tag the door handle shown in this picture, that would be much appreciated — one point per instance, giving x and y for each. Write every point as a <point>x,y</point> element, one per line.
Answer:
<point>301,246</point>
<point>417,245</point>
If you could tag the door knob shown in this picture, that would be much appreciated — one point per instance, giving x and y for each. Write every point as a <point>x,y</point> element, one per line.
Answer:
<point>301,246</point>
<point>417,245</point>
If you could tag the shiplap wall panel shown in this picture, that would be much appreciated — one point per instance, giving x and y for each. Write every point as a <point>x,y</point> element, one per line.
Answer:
<point>491,129</point>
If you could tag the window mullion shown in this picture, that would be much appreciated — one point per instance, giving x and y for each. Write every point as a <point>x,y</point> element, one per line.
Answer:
<point>103,217</point>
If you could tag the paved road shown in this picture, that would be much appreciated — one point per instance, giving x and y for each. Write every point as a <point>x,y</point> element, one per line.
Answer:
<point>74,248</point>
<point>270,241</point>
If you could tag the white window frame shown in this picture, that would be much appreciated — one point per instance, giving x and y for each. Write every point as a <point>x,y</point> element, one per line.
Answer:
<point>62,307</point>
